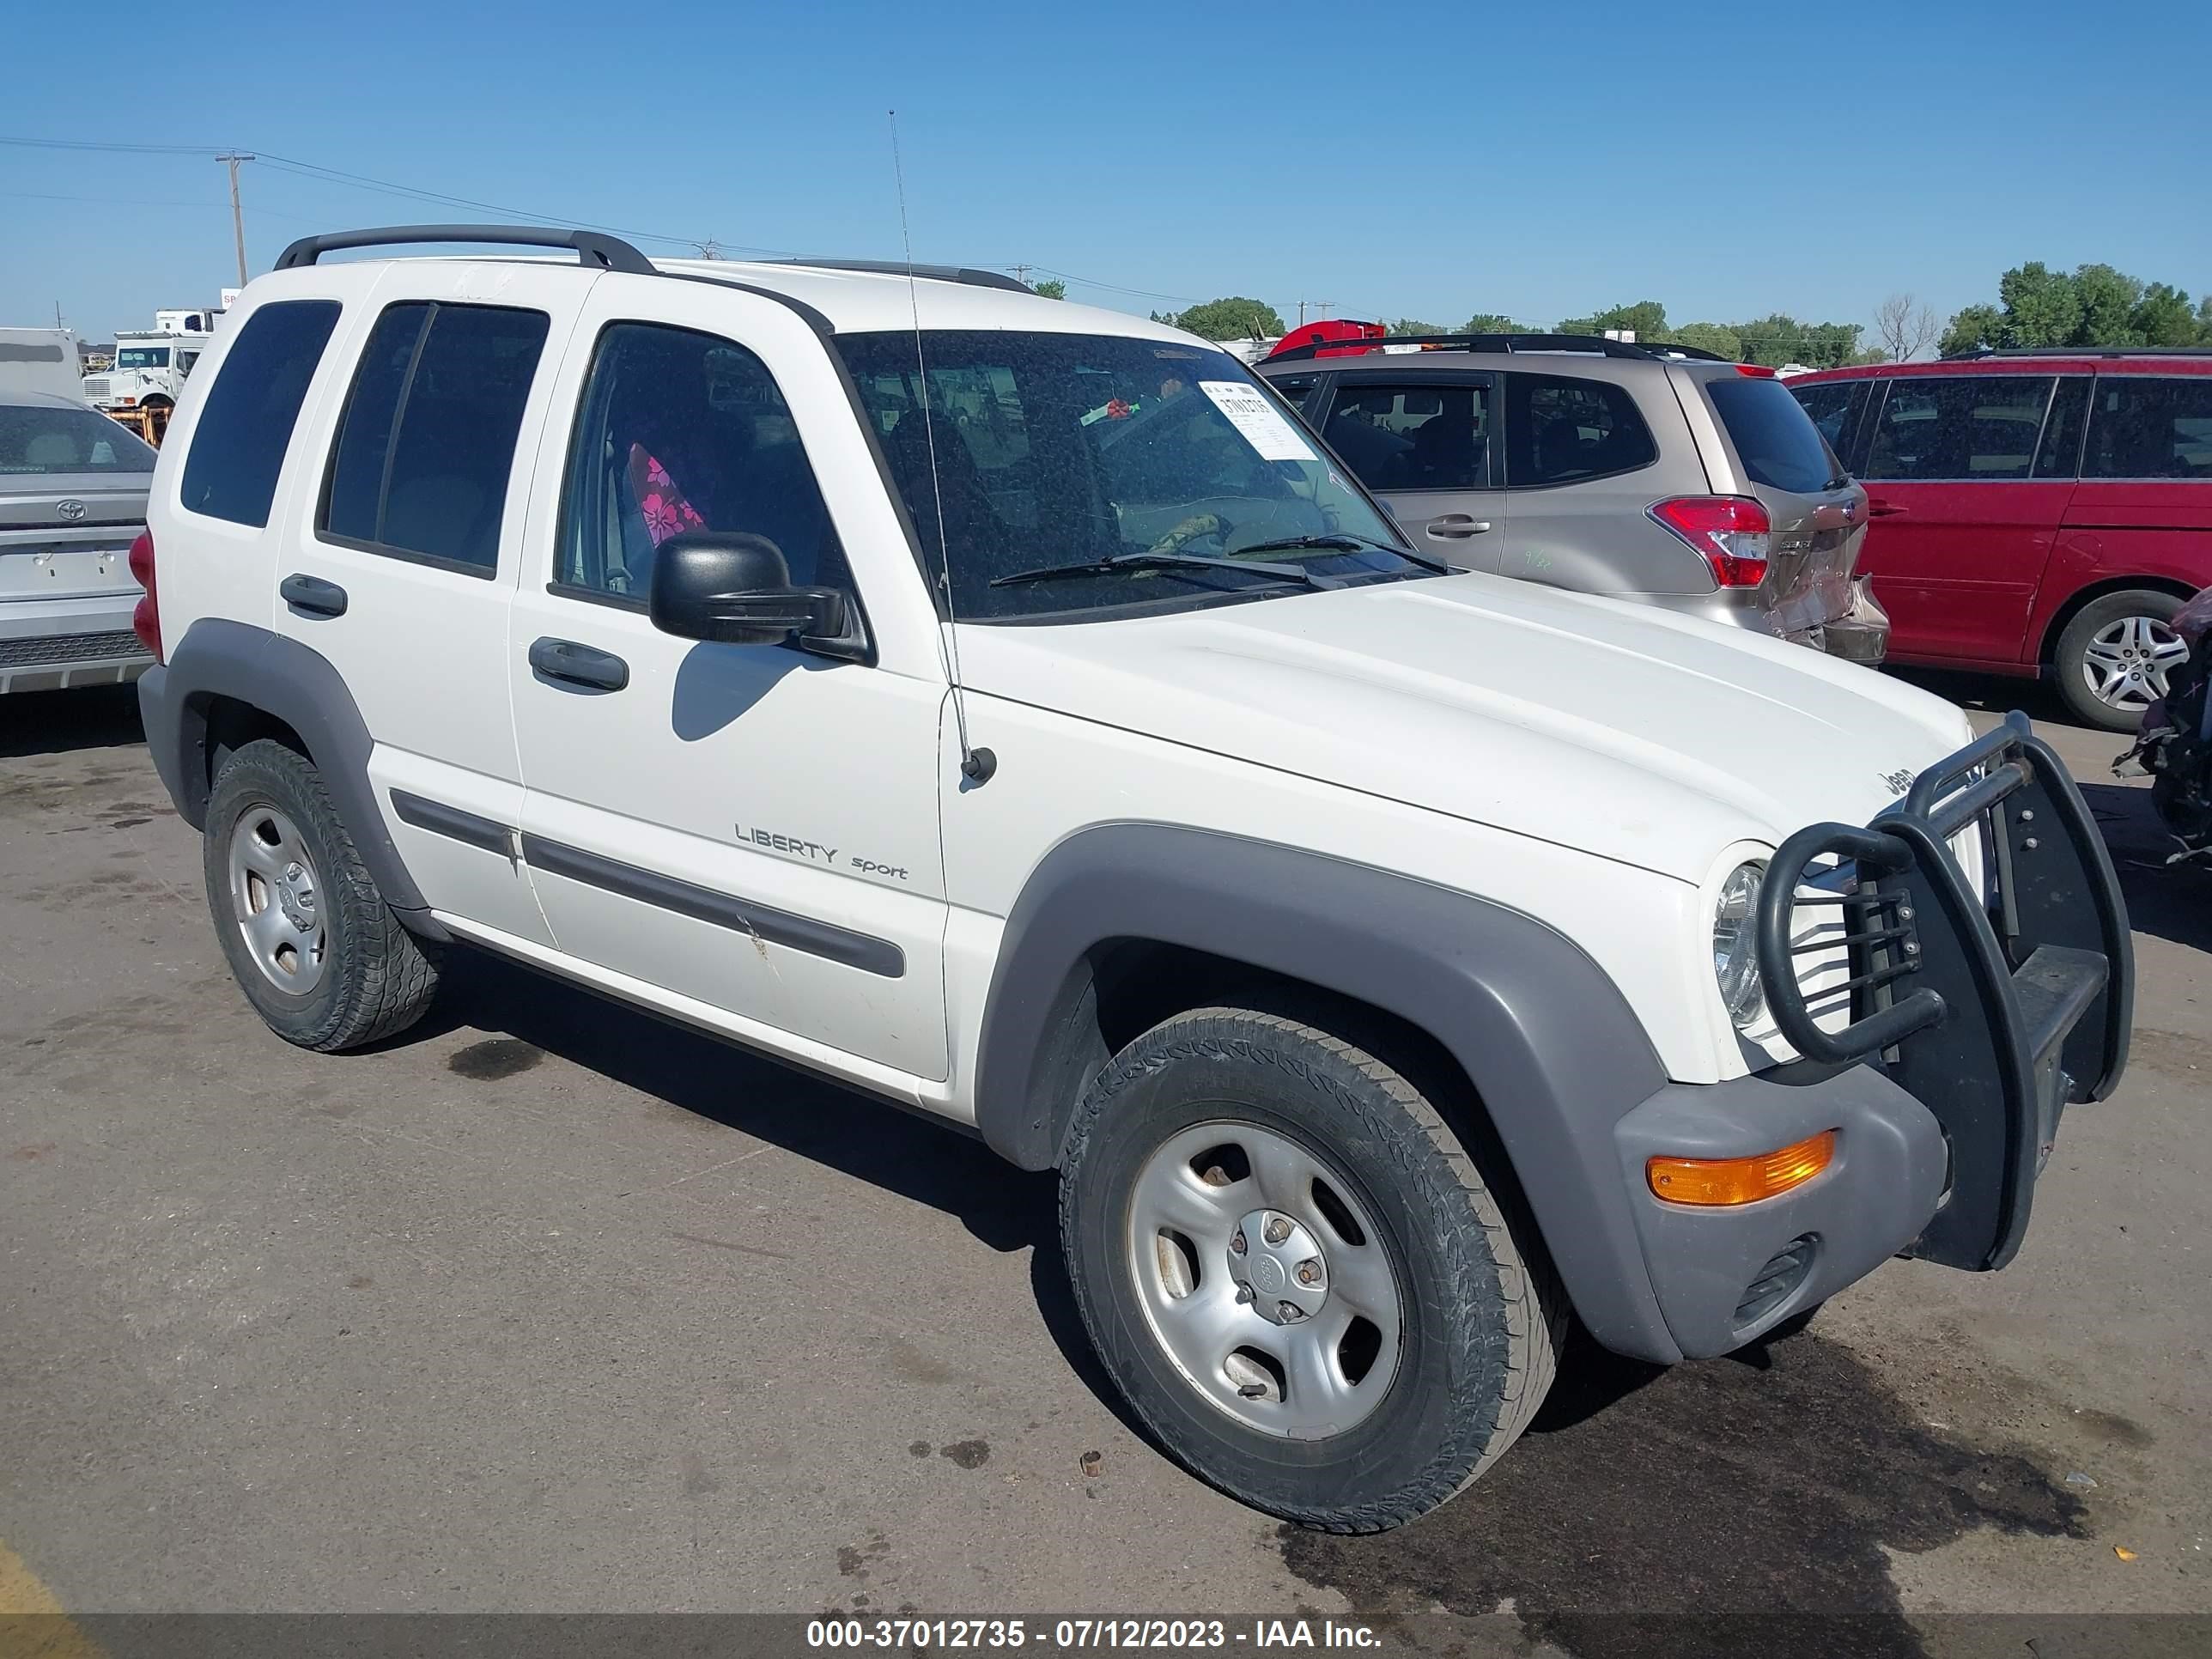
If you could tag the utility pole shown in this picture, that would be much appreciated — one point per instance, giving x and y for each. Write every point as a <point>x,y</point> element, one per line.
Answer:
<point>1321,306</point>
<point>237,219</point>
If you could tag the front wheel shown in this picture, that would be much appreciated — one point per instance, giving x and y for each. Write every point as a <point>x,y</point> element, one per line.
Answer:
<point>1306,1287</point>
<point>2112,660</point>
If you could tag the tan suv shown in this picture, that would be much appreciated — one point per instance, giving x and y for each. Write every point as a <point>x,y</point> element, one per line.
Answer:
<point>1656,473</point>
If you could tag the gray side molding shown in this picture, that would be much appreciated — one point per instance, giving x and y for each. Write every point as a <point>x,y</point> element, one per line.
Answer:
<point>282,678</point>
<point>1544,1034</point>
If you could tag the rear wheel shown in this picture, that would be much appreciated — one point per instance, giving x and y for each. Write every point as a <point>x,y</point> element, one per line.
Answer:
<point>309,939</point>
<point>2112,660</point>
<point>1306,1287</point>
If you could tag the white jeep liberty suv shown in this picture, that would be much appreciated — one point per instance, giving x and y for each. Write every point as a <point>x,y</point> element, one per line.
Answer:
<point>1011,709</point>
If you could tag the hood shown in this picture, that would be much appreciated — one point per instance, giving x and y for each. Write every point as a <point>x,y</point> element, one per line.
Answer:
<point>1627,732</point>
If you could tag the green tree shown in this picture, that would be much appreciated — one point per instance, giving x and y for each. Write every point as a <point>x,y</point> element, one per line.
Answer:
<point>1647,318</point>
<point>1777,338</point>
<point>2042,307</point>
<point>1971,328</point>
<point>1711,337</point>
<point>1051,288</point>
<point>2093,304</point>
<point>2162,317</point>
<point>2108,299</point>
<point>1489,322</point>
<point>1410,325</point>
<point>1233,318</point>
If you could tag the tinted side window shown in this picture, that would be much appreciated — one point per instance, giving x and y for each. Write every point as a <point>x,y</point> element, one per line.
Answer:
<point>1778,444</point>
<point>679,431</point>
<point>1295,389</point>
<point>1560,431</point>
<point>1966,426</point>
<point>1834,407</point>
<point>2060,454</point>
<point>2148,427</point>
<point>1402,436</point>
<point>427,441</point>
<point>238,446</point>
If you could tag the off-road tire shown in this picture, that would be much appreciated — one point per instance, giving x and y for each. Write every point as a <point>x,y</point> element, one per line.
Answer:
<point>378,978</point>
<point>1484,1314</point>
<point>2067,656</point>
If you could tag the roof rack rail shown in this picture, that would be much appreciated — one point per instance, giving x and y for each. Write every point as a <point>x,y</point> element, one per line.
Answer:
<point>1592,344</point>
<point>593,247</point>
<point>968,273</point>
<point>2077,352</point>
<point>1695,354</point>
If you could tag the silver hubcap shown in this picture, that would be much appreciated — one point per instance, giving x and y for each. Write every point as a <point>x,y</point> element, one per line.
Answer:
<point>277,900</point>
<point>1264,1280</point>
<point>2126,664</point>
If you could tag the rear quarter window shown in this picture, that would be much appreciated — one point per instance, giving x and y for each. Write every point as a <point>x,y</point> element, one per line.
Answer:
<point>1775,440</point>
<point>2151,427</point>
<point>1561,430</point>
<point>246,424</point>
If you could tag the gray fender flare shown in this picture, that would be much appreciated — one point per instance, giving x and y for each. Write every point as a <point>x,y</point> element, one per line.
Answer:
<point>290,682</point>
<point>1545,1036</point>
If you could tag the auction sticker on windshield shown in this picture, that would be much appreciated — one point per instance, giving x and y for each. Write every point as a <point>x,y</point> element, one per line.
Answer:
<point>1260,421</point>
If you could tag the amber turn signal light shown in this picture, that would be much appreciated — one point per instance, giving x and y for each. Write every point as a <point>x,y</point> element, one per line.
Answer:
<point>1714,1181</point>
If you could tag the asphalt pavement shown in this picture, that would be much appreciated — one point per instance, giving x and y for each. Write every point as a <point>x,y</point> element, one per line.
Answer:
<point>547,1306</point>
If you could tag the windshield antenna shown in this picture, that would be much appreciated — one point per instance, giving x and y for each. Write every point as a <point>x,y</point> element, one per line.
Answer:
<point>976,765</point>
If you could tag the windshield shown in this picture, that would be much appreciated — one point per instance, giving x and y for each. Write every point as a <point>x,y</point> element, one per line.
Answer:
<point>142,357</point>
<point>1069,449</point>
<point>37,439</point>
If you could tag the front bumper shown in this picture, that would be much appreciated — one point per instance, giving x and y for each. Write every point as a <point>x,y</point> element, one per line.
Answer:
<point>1722,1276</point>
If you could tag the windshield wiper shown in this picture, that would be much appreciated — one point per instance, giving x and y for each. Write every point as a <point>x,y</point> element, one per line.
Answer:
<point>1343,541</point>
<point>1146,558</point>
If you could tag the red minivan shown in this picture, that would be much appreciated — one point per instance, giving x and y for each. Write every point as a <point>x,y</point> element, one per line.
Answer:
<point>2033,512</point>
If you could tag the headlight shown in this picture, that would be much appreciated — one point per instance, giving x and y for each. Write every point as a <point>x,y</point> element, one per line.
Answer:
<point>1736,960</point>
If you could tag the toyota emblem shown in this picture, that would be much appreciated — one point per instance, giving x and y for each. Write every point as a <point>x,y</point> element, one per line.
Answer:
<point>71,509</point>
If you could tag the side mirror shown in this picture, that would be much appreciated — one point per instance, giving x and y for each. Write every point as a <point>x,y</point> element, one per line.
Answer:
<point>736,589</point>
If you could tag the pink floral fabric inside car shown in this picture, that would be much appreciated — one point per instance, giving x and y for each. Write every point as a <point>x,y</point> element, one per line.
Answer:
<point>666,512</point>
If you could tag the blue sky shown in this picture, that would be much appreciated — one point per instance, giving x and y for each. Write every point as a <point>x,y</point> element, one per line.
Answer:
<point>1537,161</point>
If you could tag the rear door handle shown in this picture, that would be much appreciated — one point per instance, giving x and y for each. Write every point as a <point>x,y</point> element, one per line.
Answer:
<point>579,665</point>
<point>1883,510</point>
<point>1456,526</point>
<point>312,595</point>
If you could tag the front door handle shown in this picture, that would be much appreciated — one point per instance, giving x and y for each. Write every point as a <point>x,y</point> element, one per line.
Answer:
<point>1457,528</point>
<point>1880,509</point>
<point>312,595</point>
<point>579,665</point>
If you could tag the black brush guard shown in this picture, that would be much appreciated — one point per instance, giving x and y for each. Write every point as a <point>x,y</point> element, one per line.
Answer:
<point>1994,1009</point>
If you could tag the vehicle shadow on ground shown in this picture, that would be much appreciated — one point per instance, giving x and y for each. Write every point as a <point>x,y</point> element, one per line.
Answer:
<point>56,722</point>
<point>1739,1506</point>
<point>915,1157</point>
<point>2169,901</point>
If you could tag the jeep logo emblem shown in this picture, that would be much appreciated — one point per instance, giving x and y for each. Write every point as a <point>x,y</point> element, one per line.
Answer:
<point>1898,781</point>
<point>71,509</point>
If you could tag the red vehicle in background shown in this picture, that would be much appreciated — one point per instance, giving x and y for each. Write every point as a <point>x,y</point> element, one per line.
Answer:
<point>2033,512</point>
<point>1328,328</point>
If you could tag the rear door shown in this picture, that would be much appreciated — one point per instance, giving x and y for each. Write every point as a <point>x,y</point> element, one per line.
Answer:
<point>1966,502</point>
<point>1424,444</point>
<point>400,559</point>
<point>1817,512</point>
